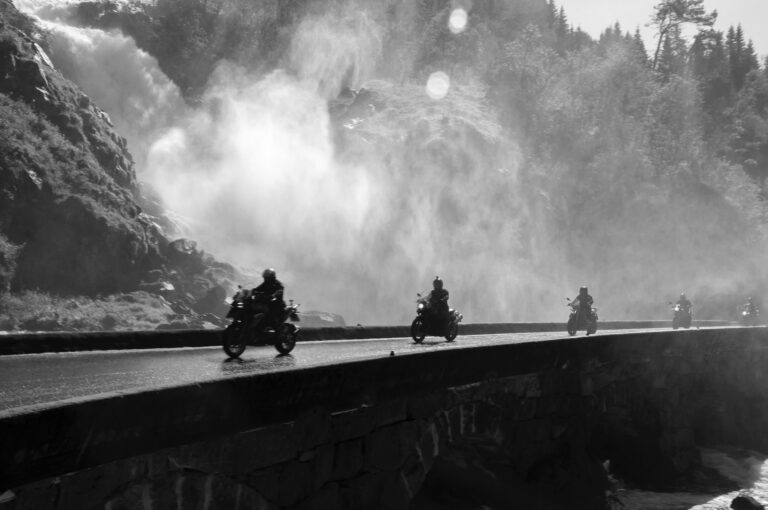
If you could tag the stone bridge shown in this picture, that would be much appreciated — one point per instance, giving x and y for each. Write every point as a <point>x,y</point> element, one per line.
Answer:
<point>527,423</point>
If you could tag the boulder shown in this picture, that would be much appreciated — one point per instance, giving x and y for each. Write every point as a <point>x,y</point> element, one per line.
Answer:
<point>746,502</point>
<point>214,302</point>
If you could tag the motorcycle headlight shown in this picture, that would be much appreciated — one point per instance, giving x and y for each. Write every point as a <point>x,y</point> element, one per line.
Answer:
<point>421,306</point>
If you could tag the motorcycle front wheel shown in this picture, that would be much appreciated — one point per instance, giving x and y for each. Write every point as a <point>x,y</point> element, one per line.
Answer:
<point>592,327</point>
<point>453,331</point>
<point>417,330</point>
<point>234,340</point>
<point>287,339</point>
<point>675,323</point>
<point>571,326</point>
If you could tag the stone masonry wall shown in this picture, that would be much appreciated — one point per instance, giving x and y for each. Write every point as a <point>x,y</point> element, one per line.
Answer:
<point>645,403</point>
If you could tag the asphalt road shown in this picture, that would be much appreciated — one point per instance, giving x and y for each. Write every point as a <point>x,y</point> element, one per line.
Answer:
<point>32,381</point>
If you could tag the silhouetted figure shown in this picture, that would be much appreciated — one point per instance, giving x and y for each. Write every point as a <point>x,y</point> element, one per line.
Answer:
<point>438,299</point>
<point>750,307</point>
<point>269,295</point>
<point>684,303</point>
<point>584,301</point>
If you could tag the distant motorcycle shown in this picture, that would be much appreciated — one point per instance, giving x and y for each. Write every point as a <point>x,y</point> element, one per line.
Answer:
<point>750,317</point>
<point>579,320</point>
<point>250,325</point>
<point>681,317</point>
<point>427,323</point>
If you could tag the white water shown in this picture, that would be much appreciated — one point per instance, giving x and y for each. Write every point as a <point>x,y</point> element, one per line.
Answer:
<point>748,469</point>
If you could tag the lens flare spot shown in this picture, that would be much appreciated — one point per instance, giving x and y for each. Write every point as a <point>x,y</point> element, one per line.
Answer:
<point>458,20</point>
<point>438,85</point>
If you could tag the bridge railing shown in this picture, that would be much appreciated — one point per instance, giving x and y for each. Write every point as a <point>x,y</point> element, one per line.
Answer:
<point>35,343</point>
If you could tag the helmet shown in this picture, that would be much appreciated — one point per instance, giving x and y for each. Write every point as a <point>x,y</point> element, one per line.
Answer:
<point>437,283</point>
<point>682,295</point>
<point>749,299</point>
<point>582,290</point>
<point>269,274</point>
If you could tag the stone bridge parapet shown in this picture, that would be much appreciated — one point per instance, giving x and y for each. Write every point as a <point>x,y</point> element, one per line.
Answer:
<point>369,434</point>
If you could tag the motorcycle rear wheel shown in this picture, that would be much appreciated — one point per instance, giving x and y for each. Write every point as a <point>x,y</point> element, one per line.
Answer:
<point>571,327</point>
<point>453,331</point>
<point>417,330</point>
<point>234,340</point>
<point>287,339</point>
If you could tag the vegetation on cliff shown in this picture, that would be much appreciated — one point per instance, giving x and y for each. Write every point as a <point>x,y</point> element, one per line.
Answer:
<point>71,220</point>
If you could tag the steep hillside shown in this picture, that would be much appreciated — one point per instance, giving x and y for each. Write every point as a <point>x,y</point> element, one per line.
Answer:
<point>71,217</point>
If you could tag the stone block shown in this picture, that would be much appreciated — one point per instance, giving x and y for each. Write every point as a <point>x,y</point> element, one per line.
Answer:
<point>323,465</point>
<point>395,494</point>
<point>222,494</point>
<point>429,445</point>
<point>414,472</point>
<point>453,420</point>
<point>249,499</point>
<point>360,422</point>
<point>313,428</point>
<point>467,414</point>
<point>327,498</point>
<point>348,459</point>
<point>265,482</point>
<point>92,487</point>
<point>524,385</point>
<point>425,406</point>
<point>38,496</point>
<point>388,447</point>
<point>137,497</point>
<point>163,492</point>
<point>295,483</point>
<point>526,409</point>
<point>257,449</point>
<point>363,492</point>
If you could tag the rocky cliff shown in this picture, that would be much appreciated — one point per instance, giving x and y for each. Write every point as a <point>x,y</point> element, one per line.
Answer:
<point>72,218</point>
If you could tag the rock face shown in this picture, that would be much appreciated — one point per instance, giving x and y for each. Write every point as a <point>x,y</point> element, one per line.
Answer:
<point>71,220</point>
<point>68,191</point>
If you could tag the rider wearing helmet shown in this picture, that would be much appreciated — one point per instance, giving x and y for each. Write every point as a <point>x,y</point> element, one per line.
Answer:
<point>750,307</point>
<point>684,303</point>
<point>584,300</point>
<point>271,290</point>
<point>438,299</point>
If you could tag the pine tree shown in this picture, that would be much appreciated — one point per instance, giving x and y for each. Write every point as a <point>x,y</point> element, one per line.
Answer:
<point>750,61</point>
<point>638,46</point>
<point>551,14</point>
<point>670,15</point>
<point>561,31</point>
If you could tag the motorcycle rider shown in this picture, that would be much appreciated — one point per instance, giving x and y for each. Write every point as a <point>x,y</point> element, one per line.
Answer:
<point>685,304</point>
<point>272,291</point>
<point>438,300</point>
<point>750,307</point>
<point>584,302</point>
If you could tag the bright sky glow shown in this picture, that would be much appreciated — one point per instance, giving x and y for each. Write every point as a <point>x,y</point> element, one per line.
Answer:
<point>594,16</point>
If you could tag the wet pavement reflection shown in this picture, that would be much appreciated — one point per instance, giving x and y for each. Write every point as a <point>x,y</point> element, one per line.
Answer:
<point>44,379</point>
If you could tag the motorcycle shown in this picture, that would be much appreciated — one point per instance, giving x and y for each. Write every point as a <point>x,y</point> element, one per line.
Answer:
<point>426,323</point>
<point>749,317</point>
<point>577,321</point>
<point>250,324</point>
<point>681,317</point>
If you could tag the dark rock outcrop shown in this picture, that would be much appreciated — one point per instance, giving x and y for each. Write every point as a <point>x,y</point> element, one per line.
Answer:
<point>743,502</point>
<point>67,184</point>
<point>71,210</point>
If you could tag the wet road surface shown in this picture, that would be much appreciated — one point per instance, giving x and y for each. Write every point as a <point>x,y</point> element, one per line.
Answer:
<point>33,380</point>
